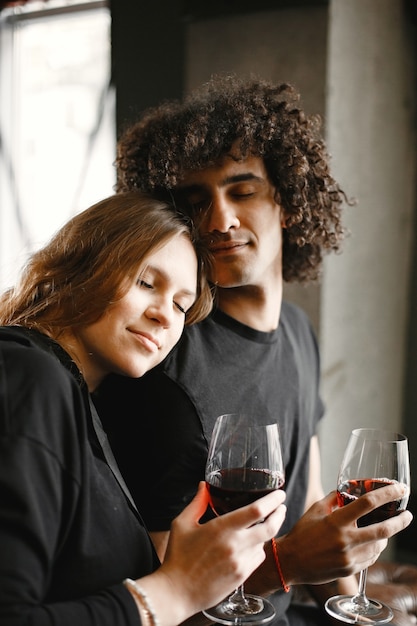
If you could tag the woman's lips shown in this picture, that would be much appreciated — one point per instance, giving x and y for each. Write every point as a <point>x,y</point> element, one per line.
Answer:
<point>150,342</point>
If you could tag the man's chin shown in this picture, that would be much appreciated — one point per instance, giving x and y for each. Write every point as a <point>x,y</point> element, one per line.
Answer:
<point>227,284</point>
<point>227,280</point>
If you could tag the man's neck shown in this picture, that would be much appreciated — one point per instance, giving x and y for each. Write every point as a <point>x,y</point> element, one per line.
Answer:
<point>258,308</point>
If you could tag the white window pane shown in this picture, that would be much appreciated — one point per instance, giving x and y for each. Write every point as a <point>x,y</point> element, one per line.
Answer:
<point>57,123</point>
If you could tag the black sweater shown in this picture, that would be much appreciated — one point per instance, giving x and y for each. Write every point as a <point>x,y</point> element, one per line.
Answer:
<point>68,534</point>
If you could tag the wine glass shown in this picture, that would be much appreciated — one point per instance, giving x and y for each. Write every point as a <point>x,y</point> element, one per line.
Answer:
<point>373,458</point>
<point>244,463</point>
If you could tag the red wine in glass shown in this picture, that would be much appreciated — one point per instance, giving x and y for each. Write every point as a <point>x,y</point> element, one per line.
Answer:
<point>350,490</point>
<point>244,463</point>
<point>230,489</point>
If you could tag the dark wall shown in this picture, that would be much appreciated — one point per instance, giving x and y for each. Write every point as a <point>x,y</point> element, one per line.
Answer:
<point>147,55</point>
<point>149,41</point>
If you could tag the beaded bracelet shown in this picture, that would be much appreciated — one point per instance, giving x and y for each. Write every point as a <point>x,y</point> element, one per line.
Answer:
<point>140,594</point>
<point>284,585</point>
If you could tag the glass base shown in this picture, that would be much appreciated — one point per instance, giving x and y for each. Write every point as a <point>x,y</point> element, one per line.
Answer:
<point>345,610</point>
<point>256,611</point>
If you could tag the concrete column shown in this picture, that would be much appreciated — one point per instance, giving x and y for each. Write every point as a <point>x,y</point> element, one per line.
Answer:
<point>365,291</point>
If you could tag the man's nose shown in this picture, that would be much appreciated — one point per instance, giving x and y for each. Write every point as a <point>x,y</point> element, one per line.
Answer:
<point>221,215</point>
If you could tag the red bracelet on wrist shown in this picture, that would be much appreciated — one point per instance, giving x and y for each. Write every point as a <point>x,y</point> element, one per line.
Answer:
<point>284,585</point>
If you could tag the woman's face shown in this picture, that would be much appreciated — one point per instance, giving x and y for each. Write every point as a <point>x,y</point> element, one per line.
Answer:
<point>137,332</point>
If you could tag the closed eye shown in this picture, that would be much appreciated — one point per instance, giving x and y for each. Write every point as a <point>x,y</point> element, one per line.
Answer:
<point>180,308</point>
<point>144,284</point>
<point>244,195</point>
<point>244,189</point>
<point>198,206</point>
<point>193,200</point>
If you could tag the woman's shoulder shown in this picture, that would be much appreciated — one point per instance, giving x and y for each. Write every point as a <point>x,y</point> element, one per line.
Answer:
<point>26,354</point>
<point>37,393</point>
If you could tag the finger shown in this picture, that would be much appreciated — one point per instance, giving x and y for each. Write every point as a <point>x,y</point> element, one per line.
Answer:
<point>198,505</point>
<point>329,502</point>
<point>372,500</point>
<point>267,528</point>
<point>386,529</point>
<point>256,512</point>
<point>273,522</point>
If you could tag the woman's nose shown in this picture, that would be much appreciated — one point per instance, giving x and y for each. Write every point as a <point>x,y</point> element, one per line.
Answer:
<point>161,311</point>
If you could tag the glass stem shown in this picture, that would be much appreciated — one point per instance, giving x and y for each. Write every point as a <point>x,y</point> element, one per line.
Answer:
<point>238,596</point>
<point>360,599</point>
<point>241,605</point>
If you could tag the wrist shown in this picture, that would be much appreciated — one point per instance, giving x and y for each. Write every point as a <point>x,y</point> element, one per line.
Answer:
<point>278,566</point>
<point>168,603</point>
<point>147,612</point>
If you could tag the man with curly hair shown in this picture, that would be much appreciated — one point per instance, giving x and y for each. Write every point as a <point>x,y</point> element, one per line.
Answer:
<point>246,163</point>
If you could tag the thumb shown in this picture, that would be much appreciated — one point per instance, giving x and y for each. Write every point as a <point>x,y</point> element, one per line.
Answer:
<point>198,505</point>
<point>327,504</point>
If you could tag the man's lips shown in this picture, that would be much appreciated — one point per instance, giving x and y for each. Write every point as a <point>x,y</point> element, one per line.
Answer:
<point>150,342</point>
<point>227,246</point>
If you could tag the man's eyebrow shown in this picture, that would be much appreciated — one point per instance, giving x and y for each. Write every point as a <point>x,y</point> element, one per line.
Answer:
<point>242,177</point>
<point>228,180</point>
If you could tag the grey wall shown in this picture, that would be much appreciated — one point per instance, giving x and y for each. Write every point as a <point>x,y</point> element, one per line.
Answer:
<point>365,292</point>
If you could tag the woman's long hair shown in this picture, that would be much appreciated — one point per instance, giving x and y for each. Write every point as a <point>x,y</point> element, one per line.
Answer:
<point>91,263</point>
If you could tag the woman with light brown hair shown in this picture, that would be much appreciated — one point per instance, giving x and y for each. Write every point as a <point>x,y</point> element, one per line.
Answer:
<point>111,292</point>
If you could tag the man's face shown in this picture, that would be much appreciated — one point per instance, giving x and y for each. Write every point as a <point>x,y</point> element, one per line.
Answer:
<point>233,203</point>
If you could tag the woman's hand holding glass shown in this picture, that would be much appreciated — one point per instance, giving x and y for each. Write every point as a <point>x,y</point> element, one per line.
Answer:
<point>244,463</point>
<point>204,562</point>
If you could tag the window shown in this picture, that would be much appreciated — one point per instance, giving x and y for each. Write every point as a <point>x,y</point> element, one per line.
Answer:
<point>57,121</point>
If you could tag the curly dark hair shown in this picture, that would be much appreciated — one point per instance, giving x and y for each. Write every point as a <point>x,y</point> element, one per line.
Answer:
<point>264,120</point>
